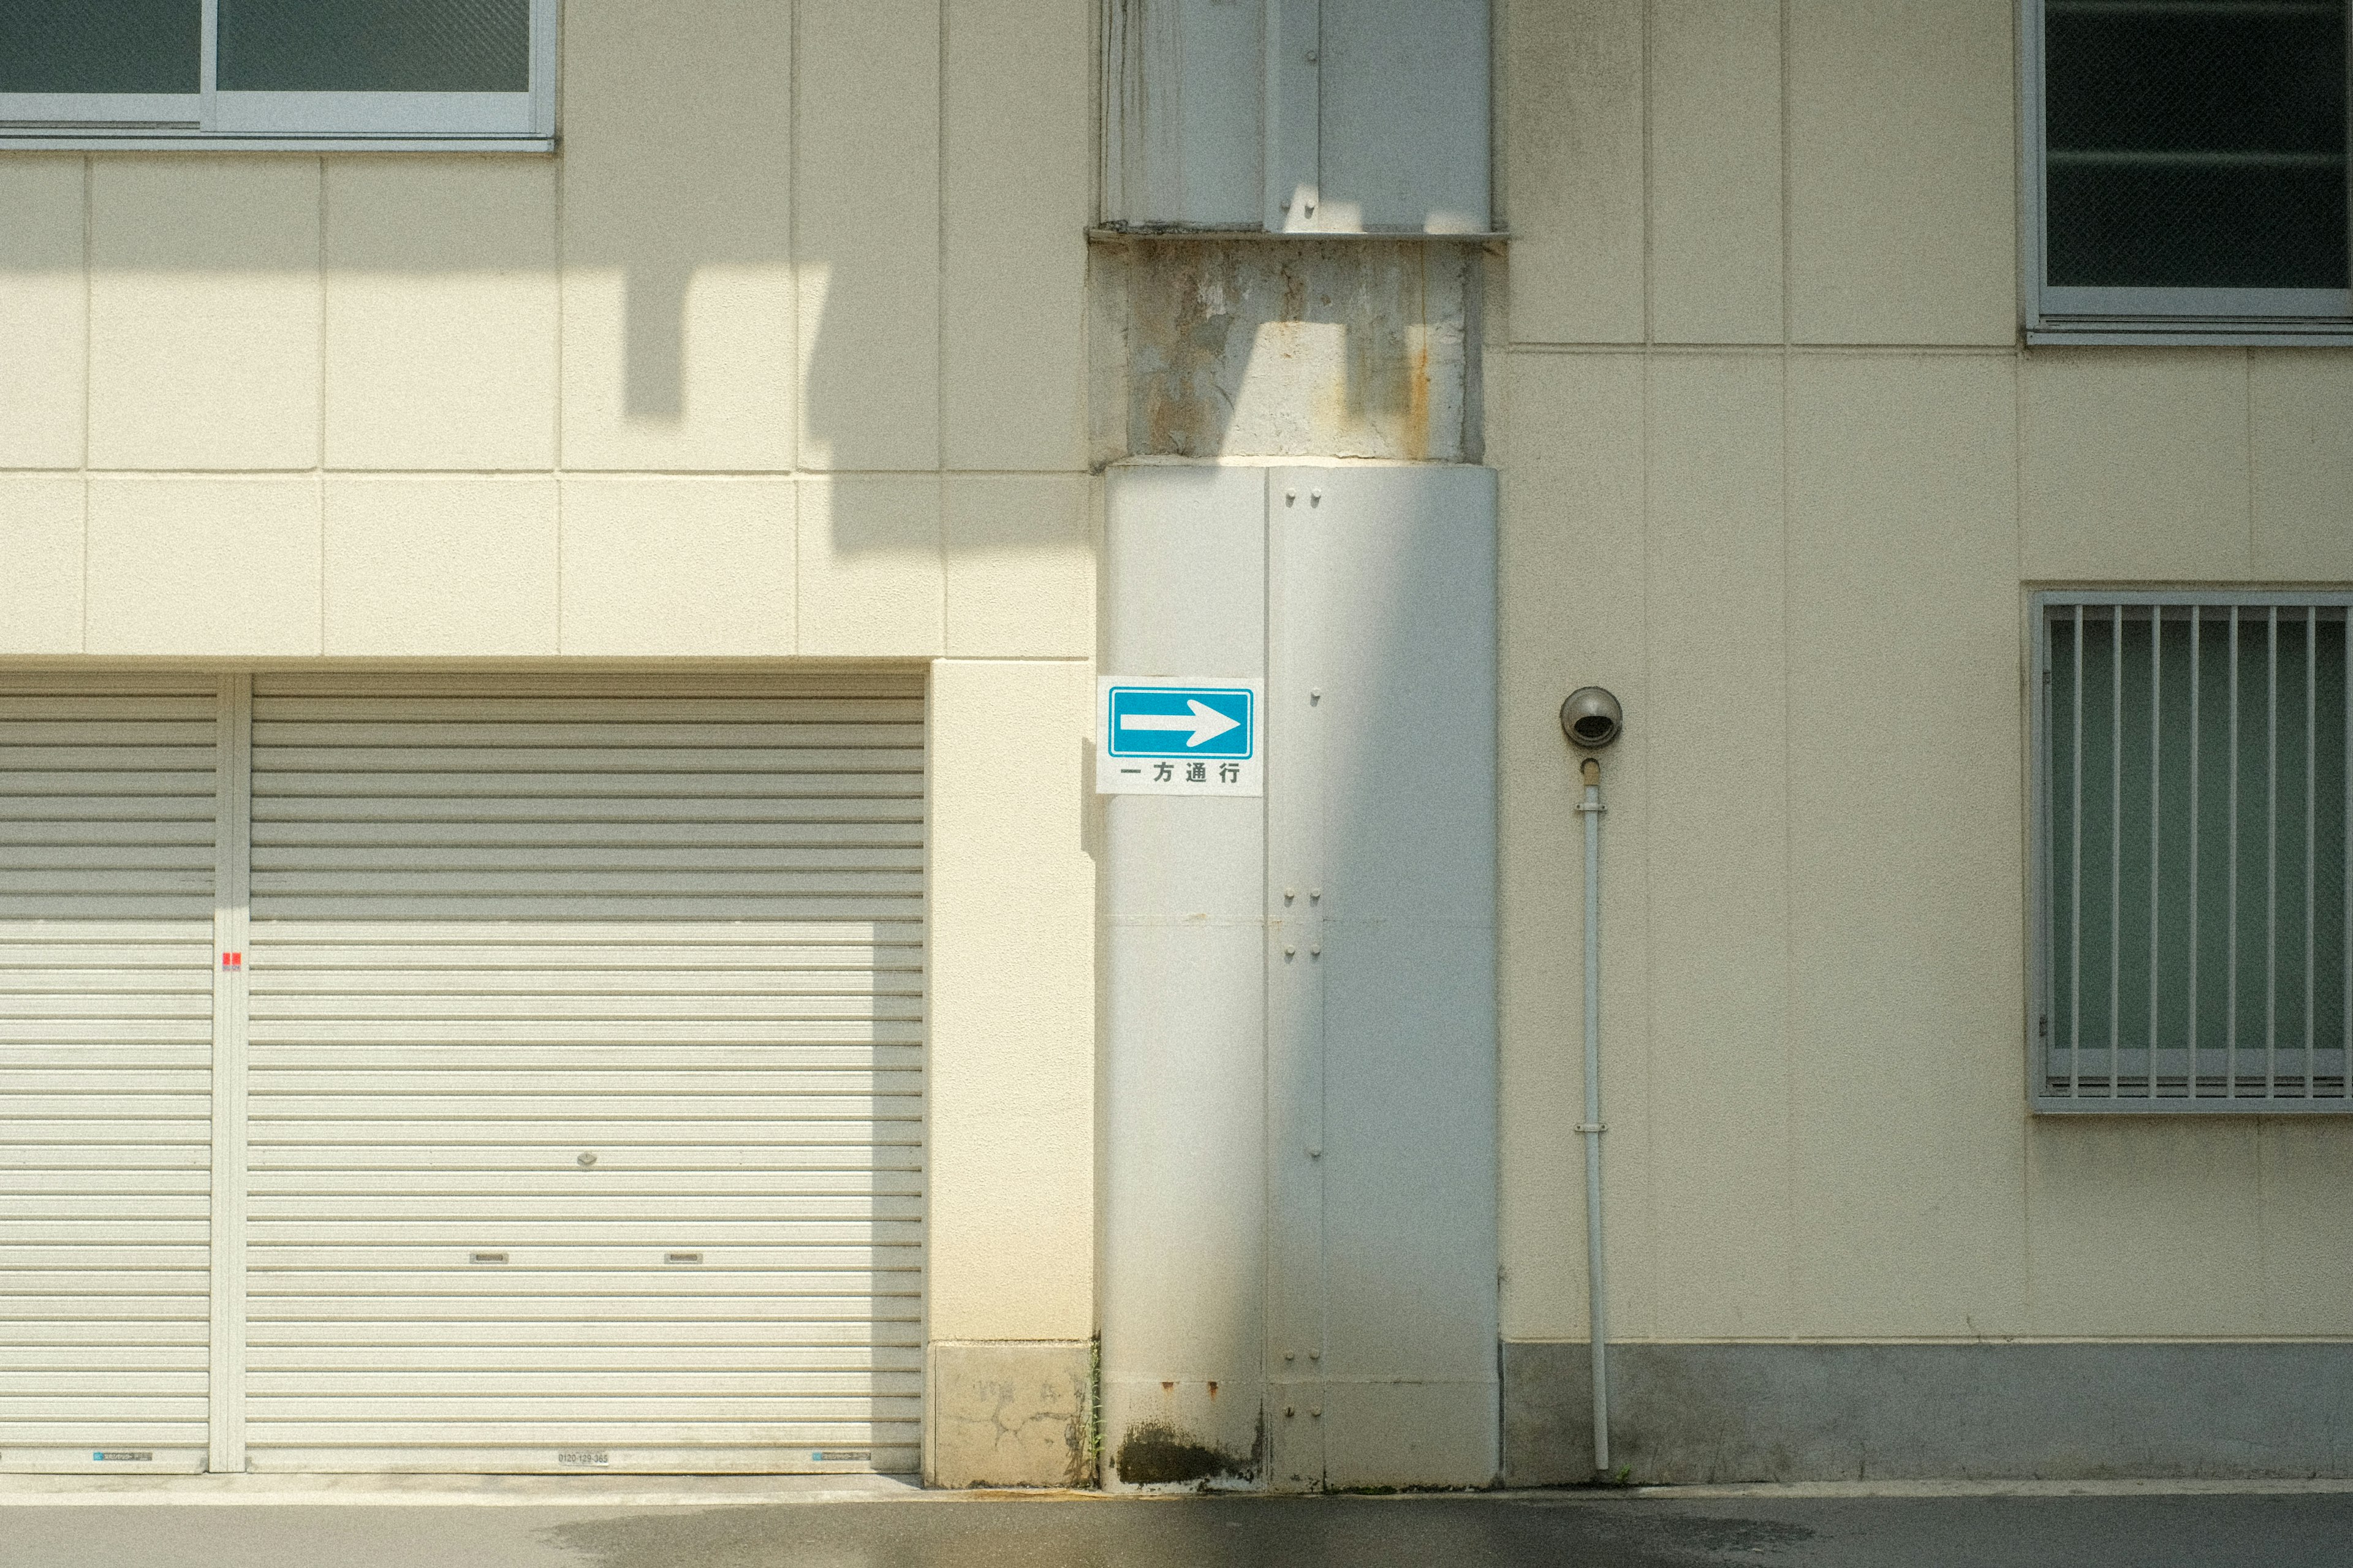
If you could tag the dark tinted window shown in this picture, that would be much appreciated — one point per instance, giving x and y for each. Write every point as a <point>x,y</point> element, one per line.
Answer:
<point>376,46</point>
<point>100,46</point>
<point>2196,145</point>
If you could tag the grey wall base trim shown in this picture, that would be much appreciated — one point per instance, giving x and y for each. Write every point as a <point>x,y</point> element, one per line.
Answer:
<point>1873,1412</point>
<point>1010,1412</point>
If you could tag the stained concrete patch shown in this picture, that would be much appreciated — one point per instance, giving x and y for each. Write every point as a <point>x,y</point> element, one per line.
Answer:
<point>1008,1414</point>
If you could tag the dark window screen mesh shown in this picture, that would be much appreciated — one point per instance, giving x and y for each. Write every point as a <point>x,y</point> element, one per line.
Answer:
<point>100,46</point>
<point>376,46</point>
<point>2196,146</point>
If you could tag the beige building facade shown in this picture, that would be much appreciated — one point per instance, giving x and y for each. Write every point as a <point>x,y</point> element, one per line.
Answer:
<point>792,374</point>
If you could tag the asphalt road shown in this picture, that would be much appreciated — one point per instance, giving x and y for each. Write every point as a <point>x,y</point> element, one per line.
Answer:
<point>2292,1531</point>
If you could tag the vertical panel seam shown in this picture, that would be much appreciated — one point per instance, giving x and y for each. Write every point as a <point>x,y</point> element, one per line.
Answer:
<point>1650,240</point>
<point>320,483</point>
<point>1790,1085</point>
<point>88,318</point>
<point>942,9</point>
<point>2247,384</point>
<point>1650,803</point>
<point>1783,160</point>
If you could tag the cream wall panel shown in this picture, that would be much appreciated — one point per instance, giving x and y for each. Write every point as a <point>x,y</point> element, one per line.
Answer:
<point>1906,826</point>
<point>2307,1191</point>
<point>2144,1225</point>
<point>1019,560</point>
<point>203,567</point>
<point>2303,425</point>
<point>1903,172</point>
<point>678,567</point>
<point>455,568</point>
<point>866,235</point>
<point>2135,465</point>
<point>204,300</point>
<point>40,562</point>
<point>677,304</point>
<point>1573,610</point>
<point>871,583</point>
<point>1019,146</point>
<point>1012,1073</point>
<point>1715,171</point>
<point>44,317</point>
<point>1717,843</point>
<point>1573,199</point>
<point>441,313</point>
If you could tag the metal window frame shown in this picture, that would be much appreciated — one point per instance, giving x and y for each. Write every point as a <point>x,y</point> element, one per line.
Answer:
<point>2057,315</point>
<point>2041,1003</point>
<point>295,122</point>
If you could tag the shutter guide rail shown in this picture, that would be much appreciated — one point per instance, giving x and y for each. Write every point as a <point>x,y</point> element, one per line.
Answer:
<point>232,924</point>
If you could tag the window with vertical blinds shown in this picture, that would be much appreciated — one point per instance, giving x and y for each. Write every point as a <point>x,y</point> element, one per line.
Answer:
<point>2192,753</point>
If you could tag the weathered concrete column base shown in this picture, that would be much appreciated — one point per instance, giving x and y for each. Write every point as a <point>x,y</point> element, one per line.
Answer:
<point>1885,1412</point>
<point>1008,1413</point>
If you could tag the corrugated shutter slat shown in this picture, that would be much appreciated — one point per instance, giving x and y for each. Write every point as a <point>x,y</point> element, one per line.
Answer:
<point>500,926</point>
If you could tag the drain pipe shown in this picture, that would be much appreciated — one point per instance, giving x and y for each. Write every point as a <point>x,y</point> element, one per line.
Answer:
<point>1595,1277</point>
<point>1592,719</point>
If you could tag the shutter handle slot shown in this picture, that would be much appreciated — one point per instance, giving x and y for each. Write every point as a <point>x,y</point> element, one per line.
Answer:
<point>487,1257</point>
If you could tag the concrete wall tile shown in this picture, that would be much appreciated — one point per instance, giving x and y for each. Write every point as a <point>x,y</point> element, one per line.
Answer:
<point>1011,1073</point>
<point>1573,191</point>
<point>2303,424</point>
<point>204,300</point>
<point>871,583</point>
<point>2308,1189</point>
<point>1903,172</point>
<point>1906,826</point>
<point>1715,171</point>
<point>1715,738</point>
<point>866,183</point>
<point>1018,139</point>
<point>678,567</point>
<point>2102,1192</point>
<point>44,318</point>
<point>441,313</point>
<point>40,562</point>
<point>677,298</point>
<point>1020,563</point>
<point>454,568</point>
<point>204,568</point>
<point>2136,466</point>
<point>1572,614</point>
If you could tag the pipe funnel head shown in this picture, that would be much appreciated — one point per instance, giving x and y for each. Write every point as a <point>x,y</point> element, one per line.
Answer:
<point>1591,718</point>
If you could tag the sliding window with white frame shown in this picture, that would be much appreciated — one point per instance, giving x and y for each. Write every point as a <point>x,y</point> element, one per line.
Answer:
<point>383,74</point>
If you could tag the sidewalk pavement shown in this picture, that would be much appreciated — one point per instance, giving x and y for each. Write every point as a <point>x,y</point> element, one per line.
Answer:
<point>844,1522</point>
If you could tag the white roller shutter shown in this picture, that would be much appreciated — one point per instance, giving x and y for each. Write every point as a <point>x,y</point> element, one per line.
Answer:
<point>586,1066</point>
<point>109,866</point>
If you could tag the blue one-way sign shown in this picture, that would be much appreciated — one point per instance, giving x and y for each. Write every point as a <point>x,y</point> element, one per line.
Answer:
<point>1158,735</point>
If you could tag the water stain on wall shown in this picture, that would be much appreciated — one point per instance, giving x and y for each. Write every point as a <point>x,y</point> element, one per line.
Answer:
<point>1349,349</point>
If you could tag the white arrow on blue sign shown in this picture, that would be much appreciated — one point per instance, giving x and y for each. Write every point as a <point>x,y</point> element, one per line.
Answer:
<point>1162,735</point>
